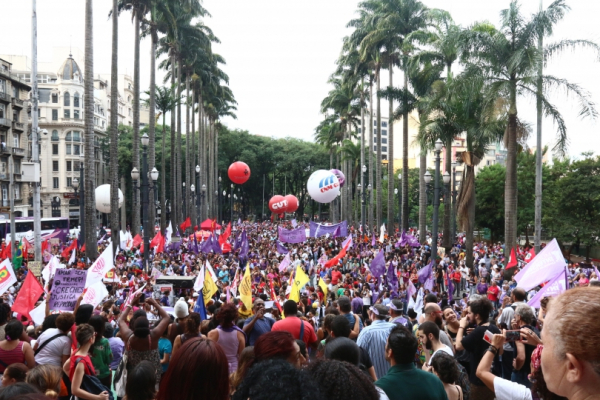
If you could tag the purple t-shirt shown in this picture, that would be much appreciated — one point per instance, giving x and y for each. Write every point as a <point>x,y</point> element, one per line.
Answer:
<point>116,346</point>
<point>482,288</point>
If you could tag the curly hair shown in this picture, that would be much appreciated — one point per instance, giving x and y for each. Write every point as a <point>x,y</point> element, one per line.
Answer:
<point>482,307</point>
<point>50,321</point>
<point>65,321</point>
<point>339,380</point>
<point>277,379</point>
<point>227,315</point>
<point>445,367</point>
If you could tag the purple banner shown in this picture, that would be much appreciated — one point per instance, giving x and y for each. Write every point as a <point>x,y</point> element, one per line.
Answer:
<point>297,235</point>
<point>317,230</point>
<point>66,289</point>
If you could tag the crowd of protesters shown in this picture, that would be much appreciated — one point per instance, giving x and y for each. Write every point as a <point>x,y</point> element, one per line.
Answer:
<point>351,332</point>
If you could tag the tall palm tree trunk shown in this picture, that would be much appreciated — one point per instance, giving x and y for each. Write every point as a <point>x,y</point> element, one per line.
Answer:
<point>91,248</point>
<point>201,156</point>
<point>422,198</point>
<point>210,166</point>
<point>538,156</point>
<point>193,160</point>
<point>152,135</point>
<point>379,190</point>
<point>391,201</point>
<point>510,186</point>
<point>405,158</point>
<point>173,164</point>
<point>163,180</point>
<point>179,186</point>
<point>362,150</point>
<point>215,173</point>
<point>136,216</point>
<point>114,131</point>
<point>188,178</point>
<point>469,239</point>
<point>371,150</point>
<point>447,240</point>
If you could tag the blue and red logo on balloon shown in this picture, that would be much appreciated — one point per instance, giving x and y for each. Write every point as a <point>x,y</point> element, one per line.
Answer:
<point>328,183</point>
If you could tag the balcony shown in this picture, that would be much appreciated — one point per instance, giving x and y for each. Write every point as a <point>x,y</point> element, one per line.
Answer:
<point>5,97</point>
<point>72,120</point>
<point>18,126</point>
<point>17,102</point>
<point>5,123</point>
<point>4,149</point>
<point>17,151</point>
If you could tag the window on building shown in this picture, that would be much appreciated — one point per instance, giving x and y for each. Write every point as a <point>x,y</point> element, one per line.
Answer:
<point>17,191</point>
<point>374,147</point>
<point>69,137</point>
<point>17,165</point>
<point>375,131</point>
<point>383,148</point>
<point>383,140</point>
<point>383,124</point>
<point>76,136</point>
<point>54,115</point>
<point>2,111</point>
<point>384,132</point>
<point>76,114</point>
<point>55,183</point>
<point>55,98</point>
<point>359,130</point>
<point>54,149</point>
<point>2,86</point>
<point>68,149</point>
<point>67,99</point>
<point>76,100</point>
<point>374,122</point>
<point>76,150</point>
<point>55,166</point>
<point>16,140</point>
<point>96,154</point>
<point>67,113</point>
<point>383,157</point>
<point>69,182</point>
<point>76,166</point>
<point>54,136</point>
<point>69,166</point>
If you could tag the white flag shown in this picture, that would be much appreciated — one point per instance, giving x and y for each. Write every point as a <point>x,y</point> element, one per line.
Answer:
<point>100,267</point>
<point>7,276</point>
<point>382,233</point>
<point>50,269</point>
<point>199,283</point>
<point>168,233</point>
<point>211,271</point>
<point>38,314</point>
<point>95,294</point>
<point>72,259</point>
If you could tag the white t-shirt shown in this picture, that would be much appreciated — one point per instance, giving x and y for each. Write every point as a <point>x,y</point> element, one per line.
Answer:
<point>507,390</point>
<point>445,349</point>
<point>52,352</point>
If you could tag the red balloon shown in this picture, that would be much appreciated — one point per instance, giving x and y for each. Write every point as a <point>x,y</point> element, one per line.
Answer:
<point>239,172</point>
<point>292,203</point>
<point>277,204</point>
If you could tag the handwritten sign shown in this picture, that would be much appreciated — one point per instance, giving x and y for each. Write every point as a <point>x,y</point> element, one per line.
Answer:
<point>35,267</point>
<point>66,289</point>
<point>55,241</point>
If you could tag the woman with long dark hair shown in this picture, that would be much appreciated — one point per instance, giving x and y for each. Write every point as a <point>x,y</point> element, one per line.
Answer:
<point>231,338</point>
<point>198,371</point>
<point>12,349</point>
<point>191,329</point>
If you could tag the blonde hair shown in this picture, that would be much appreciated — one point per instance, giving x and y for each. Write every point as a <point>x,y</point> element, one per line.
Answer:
<point>46,378</point>
<point>572,322</point>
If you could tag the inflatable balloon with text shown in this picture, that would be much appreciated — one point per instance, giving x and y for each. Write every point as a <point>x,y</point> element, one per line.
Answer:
<point>239,172</point>
<point>278,204</point>
<point>292,203</point>
<point>340,175</point>
<point>323,186</point>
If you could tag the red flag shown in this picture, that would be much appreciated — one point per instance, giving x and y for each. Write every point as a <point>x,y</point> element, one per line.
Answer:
<point>25,246</point>
<point>44,245</point>
<point>6,253</point>
<point>28,295</point>
<point>223,238</point>
<point>156,240</point>
<point>185,224</point>
<point>161,245</point>
<point>512,260</point>
<point>340,255</point>
<point>530,255</point>
<point>82,248</point>
<point>142,248</point>
<point>226,248</point>
<point>137,240</point>
<point>66,253</point>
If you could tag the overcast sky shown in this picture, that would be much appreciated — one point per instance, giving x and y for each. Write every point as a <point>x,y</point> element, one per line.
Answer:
<point>280,54</point>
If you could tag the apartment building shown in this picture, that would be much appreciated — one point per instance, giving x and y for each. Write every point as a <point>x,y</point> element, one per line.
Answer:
<point>14,95</point>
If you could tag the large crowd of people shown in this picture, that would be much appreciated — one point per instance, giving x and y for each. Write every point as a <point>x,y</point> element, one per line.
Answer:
<point>325,318</point>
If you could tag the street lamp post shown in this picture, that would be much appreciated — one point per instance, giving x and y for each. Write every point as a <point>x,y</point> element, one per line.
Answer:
<point>363,207</point>
<point>400,202</point>
<point>79,192</point>
<point>198,217</point>
<point>219,211</point>
<point>193,190</point>
<point>222,204</point>
<point>231,204</point>
<point>454,194</point>
<point>145,190</point>
<point>436,199</point>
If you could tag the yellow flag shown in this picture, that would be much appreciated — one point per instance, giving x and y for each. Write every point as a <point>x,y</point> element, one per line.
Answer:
<point>300,279</point>
<point>323,286</point>
<point>209,288</point>
<point>246,289</point>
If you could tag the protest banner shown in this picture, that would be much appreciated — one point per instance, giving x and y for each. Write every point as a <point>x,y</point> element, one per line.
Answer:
<point>95,294</point>
<point>7,276</point>
<point>35,267</point>
<point>549,263</point>
<point>340,229</point>
<point>66,289</point>
<point>292,235</point>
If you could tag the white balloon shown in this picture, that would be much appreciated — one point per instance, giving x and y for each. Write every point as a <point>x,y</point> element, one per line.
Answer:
<point>102,193</point>
<point>323,186</point>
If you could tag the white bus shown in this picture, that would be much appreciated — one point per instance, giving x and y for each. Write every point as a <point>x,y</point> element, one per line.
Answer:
<point>23,225</point>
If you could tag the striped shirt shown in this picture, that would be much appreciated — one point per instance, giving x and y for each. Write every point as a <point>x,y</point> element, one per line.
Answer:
<point>373,339</point>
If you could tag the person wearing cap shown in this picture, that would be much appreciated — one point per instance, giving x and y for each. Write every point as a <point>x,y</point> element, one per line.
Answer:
<point>182,313</point>
<point>373,338</point>
<point>396,307</point>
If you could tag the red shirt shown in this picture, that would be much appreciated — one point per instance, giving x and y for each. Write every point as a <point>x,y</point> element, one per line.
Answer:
<point>493,292</point>
<point>335,277</point>
<point>292,325</point>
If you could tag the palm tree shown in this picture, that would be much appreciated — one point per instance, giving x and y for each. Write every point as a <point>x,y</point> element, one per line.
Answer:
<point>114,132</point>
<point>508,59</point>
<point>91,248</point>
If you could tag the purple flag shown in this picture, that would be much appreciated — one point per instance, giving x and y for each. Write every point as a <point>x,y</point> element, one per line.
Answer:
<point>292,235</point>
<point>336,233</point>
<point>429,284</point>
<point>425,272</point>
<point>294,223</point>
<point>281,249</point>
<point>549,263</point>
<point>392,278</point>
<point>378,265</point>
<point>411,290</point>
<point>552,289</point>
<point>317,230</point>
<point>285,263</point>
<point>244,245</point>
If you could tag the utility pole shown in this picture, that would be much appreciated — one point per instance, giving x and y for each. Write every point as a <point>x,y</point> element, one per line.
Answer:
<point>13,229</point>
<point>37,218</point>
<point>538,156</point>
